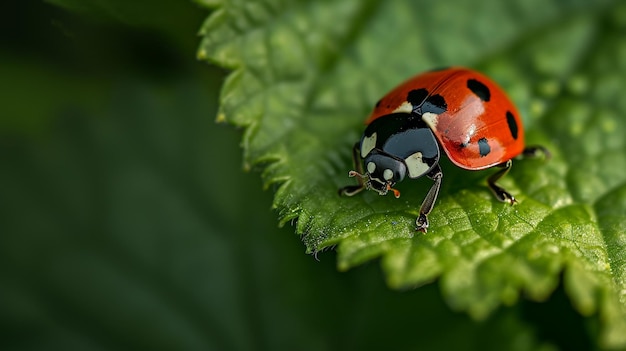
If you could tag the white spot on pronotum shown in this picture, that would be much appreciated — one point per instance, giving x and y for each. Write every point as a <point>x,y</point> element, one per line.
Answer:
<point>371,167</point>
<point>430,119</point>
<point>368,144</point>
<point>388,174</point>
<point>415,165</point>
<point>406,107</point>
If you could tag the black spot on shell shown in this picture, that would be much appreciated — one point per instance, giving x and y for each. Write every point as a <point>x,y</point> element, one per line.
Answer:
<point>378,103</point>
<point>483,147</point>
<point>435,104</point>
<point>510,120</point>
<point>479,89</point>
<point>417,96</point>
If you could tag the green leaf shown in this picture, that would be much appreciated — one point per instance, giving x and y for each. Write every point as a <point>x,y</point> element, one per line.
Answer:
<point>128,224</point>
<point>122,227</point>
<point>306,73</point>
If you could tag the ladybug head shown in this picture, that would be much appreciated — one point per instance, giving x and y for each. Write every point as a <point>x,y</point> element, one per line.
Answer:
<point>383,172</point>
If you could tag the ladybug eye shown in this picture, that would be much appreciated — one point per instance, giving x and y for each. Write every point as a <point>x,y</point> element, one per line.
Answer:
<point>371,167</point>
<point>388,174</point>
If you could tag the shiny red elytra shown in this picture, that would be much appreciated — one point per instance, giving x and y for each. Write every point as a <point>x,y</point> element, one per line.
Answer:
<point>457,110</point>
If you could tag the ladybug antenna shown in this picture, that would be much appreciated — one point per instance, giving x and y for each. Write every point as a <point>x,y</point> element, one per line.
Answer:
<point>396,192</point>
<point>356,174</point>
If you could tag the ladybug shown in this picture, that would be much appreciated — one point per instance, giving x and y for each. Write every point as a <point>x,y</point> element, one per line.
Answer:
<point>457,110</point>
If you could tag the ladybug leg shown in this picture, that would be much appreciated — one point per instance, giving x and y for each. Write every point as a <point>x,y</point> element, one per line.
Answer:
<point>352,190</point>
<point>500,193</point>
<point>537,151</point>
<point>429,200</point>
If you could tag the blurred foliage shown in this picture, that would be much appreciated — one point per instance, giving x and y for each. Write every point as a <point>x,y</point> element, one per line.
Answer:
<point>127,223</point>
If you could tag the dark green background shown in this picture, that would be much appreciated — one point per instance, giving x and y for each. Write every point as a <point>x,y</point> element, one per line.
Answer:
<point>126,221</point>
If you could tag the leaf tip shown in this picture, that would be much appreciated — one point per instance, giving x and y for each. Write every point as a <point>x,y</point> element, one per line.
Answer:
<point>247,167</point>
<point>343,266</point>
<point>202,54</point>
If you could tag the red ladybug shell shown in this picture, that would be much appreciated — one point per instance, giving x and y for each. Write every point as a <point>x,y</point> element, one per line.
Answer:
<point>474,121</point>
